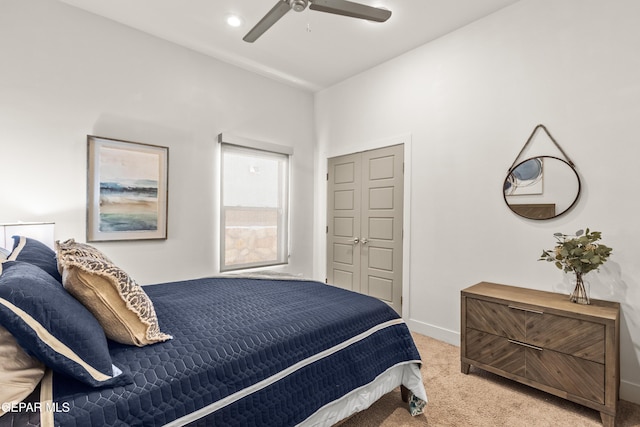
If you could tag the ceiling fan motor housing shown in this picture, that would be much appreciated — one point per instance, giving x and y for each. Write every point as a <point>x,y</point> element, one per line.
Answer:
<point>299,5</point>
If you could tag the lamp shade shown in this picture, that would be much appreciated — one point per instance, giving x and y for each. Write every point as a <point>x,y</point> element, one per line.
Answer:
<point>41,231</point>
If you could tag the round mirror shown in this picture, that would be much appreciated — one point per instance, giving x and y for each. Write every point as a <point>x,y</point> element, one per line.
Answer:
<point>541,187</point>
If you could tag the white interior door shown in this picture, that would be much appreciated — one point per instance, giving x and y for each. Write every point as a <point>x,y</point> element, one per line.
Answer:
<point>364,230</point>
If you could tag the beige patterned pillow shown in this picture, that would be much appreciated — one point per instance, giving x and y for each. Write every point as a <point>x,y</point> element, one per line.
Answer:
<point>123,309</point>
<point>71,248</point>
<point>20,373</point>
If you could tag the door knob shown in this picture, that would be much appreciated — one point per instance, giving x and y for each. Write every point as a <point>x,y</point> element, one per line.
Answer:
<point>356,241</point>
<point>364,241</point>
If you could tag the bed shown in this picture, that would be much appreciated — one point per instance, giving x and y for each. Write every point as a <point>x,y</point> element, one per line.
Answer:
<point>233,351</point>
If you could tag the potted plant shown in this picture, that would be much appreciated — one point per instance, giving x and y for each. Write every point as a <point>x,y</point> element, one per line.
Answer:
<point>579,254</point>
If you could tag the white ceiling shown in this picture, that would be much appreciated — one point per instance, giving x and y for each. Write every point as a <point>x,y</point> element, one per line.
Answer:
<point>310,49</point>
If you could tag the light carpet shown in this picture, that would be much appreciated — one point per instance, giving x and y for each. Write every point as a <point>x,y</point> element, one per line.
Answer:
<point>480,399</point>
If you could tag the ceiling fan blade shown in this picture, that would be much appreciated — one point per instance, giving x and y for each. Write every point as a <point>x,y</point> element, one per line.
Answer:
<point>277,12</point>
<point>351,9</point>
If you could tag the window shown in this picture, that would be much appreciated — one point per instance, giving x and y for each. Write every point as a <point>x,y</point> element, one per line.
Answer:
<point>254,208</point>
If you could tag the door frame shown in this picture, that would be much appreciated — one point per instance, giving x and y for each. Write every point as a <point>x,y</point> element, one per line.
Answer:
<point>404,139</point>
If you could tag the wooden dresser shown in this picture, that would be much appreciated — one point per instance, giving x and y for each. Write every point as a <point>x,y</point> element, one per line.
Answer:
<point>545,341</point>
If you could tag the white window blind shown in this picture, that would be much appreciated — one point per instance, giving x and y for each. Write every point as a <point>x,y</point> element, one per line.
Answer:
<point>254,208</point>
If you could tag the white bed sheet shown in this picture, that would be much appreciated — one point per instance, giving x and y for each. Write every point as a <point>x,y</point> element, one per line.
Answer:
<point>407,374</point>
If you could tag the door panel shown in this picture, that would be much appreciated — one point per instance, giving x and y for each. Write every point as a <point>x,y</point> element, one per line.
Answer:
<point>345,173</point>
<point>364,232</point>
<point>381,167</point>
<point>381,228</point>
<point>343,254</point>
<point>380,259</point>
<point>381,198</point>
<point>382,201</point>
<point>343,222</point>
<point>344,200</point>
<point>343,227</point>
<point>342,279</point>
<point>381,288</point>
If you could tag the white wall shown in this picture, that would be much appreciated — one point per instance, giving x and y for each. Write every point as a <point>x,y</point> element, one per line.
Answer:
<point>66,73</point>
<point>469,101</point>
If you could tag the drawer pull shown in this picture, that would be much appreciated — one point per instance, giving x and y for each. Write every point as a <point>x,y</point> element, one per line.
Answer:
<point>526,309</point>
<point>526,345</point>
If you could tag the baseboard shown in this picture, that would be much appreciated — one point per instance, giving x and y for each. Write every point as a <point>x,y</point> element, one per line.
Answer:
<point>437,332</point>
<point>630,392</point>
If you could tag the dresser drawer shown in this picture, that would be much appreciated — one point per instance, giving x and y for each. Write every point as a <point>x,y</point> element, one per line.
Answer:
<point>576,376</point>
<point>563,334</point>
<point>567,335</point>
<point>495,319</point>
<point>496,351</point>
<point>579,377</point>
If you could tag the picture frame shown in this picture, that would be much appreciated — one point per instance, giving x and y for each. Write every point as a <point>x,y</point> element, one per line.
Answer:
<point>127,190</point>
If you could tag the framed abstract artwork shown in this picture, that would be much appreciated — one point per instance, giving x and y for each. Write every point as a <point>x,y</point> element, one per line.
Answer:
<point>127,190</point>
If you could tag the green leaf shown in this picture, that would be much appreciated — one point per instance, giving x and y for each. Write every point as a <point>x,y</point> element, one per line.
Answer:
<point>578,253</point>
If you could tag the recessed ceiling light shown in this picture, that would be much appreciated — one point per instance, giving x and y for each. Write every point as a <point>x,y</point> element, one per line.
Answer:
<point>234,20</point>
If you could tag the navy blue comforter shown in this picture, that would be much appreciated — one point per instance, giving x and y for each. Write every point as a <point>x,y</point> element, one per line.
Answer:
<point>245,352</point>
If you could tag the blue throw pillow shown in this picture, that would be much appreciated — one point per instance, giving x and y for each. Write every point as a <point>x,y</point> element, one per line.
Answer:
<point>37,253</point>
<point>54,327</point>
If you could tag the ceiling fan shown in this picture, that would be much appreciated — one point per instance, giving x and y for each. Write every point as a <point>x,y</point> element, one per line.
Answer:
<point>337,7</point>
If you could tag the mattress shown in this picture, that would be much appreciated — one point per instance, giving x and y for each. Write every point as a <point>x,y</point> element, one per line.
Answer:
<point>246,352</point>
